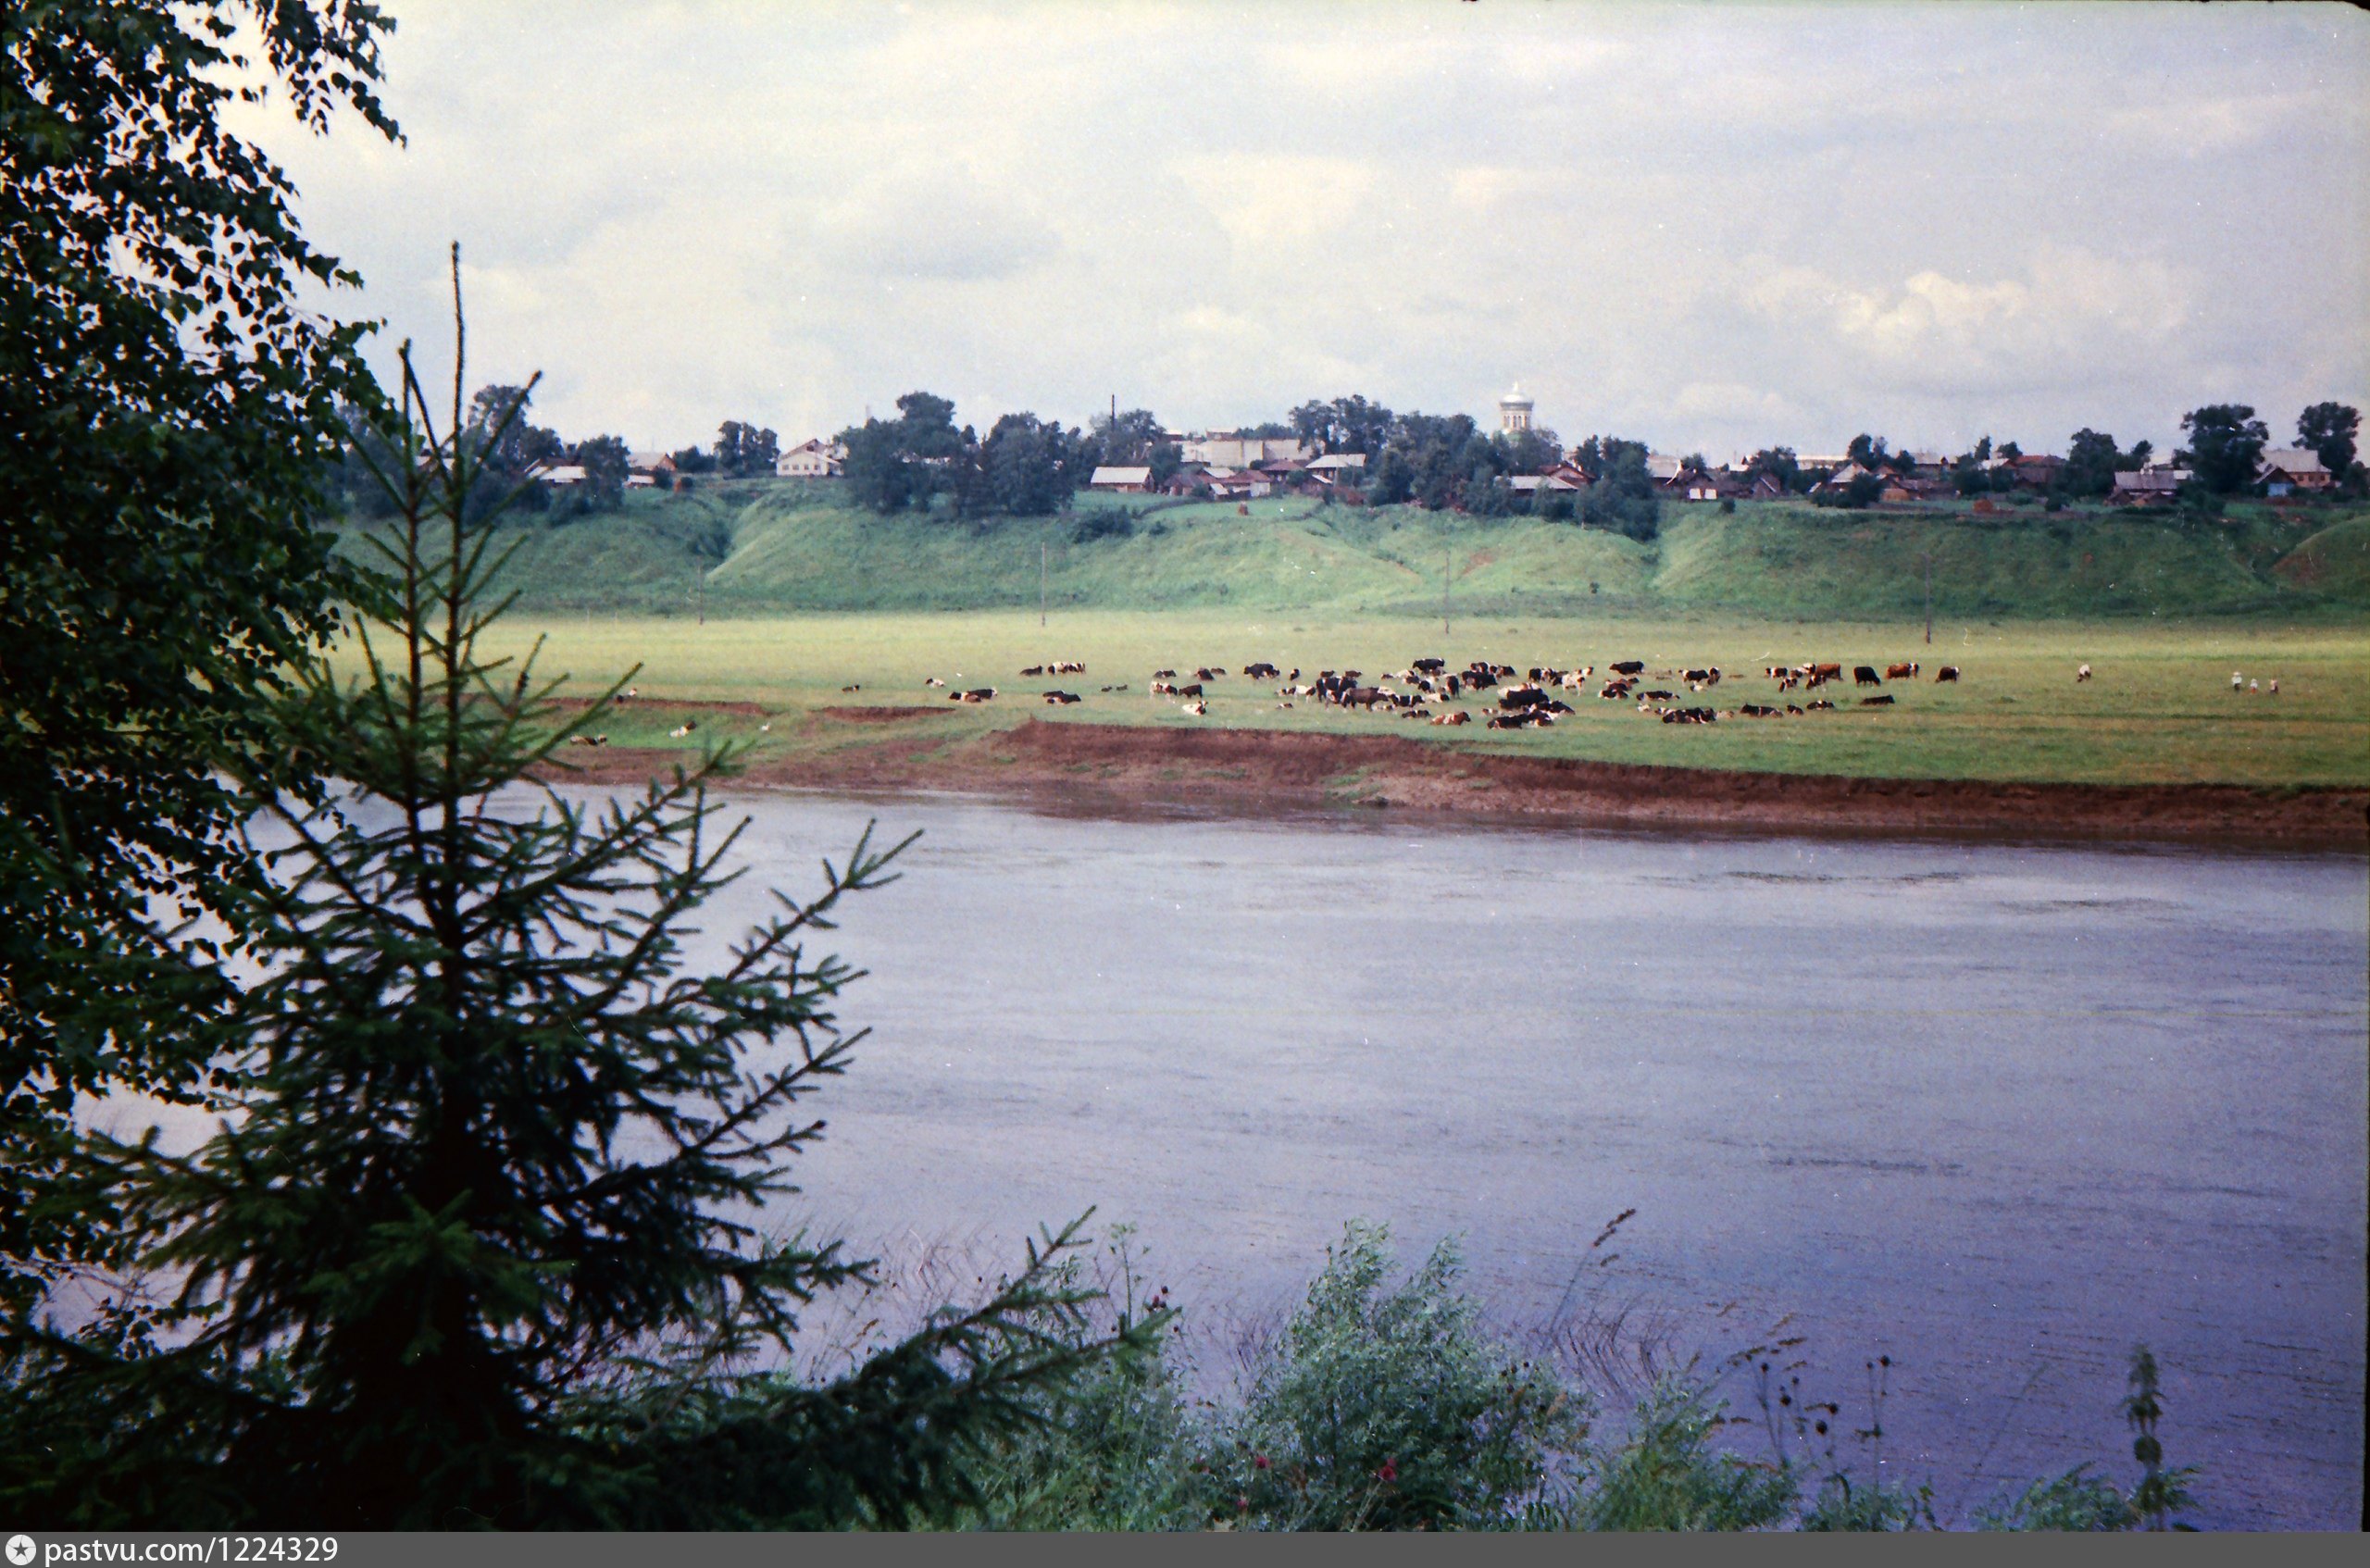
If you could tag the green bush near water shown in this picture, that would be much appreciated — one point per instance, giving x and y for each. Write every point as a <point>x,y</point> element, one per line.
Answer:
<point>1393,1407</point>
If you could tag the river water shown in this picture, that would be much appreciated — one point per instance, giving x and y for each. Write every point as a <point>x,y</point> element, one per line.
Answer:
<point>1994,1111</point>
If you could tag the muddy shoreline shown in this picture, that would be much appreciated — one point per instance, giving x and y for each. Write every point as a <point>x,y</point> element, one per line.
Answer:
<point>1258,773</point>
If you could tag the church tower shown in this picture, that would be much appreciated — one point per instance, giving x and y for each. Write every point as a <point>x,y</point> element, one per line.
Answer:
<point>1514,411</point>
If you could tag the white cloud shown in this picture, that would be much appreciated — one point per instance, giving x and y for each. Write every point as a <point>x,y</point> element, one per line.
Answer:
<point>1716,226</point>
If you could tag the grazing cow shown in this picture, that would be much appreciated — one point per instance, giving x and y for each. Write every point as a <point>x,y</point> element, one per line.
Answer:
<point>1429,666</point>
<point>1068,667</point>
<point>1362,697</point>
<point>1883,702</point>
<point>1901,672</point>
<point>1034,670</point>
<point>1164,675</point>
<point>1699,678</point>
<point>1788,683</point>
<point>1629,666</point>
<point>2082,674</point>
<point>1755,710</point>
<point>1197,709</point>
<point>1776,672</point>
<point>1205,672</point>
<point>1821,706</point>
<point>1866,675</point>
<point>1819,673</point>
<point>1522,697</point>
<point>1164,689</point>
<point>1458,717</point>
<point>1948,672</point>
<point>1260,671</point>
<point>1193,688</point>
<point>1062,699</point>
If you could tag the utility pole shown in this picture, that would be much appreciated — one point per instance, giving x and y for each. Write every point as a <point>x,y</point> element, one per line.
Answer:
<point>1929,598</point>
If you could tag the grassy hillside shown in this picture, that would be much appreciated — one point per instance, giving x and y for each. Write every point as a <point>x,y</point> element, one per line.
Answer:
<point>761,547</point>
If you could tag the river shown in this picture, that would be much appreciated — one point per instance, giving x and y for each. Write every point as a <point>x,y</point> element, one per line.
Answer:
<point>1994,1111</point>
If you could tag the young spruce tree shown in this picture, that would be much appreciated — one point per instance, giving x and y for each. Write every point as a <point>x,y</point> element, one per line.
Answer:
<point>478,1241</point>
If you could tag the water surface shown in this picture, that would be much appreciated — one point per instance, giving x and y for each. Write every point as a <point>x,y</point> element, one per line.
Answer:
<point>1995,1111</point>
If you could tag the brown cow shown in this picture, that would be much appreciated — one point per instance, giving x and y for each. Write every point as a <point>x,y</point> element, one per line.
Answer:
<point>1900,672</point>
<point>1948,672</point>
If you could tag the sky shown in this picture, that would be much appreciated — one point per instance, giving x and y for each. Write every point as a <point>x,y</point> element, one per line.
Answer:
<point>1712,228</point>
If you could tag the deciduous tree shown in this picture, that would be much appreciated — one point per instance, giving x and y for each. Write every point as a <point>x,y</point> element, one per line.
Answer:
<point>2226,442</point>
<point>171,426</point>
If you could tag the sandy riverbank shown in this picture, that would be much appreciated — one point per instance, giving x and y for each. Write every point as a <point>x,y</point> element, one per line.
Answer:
<point>1252,772</point>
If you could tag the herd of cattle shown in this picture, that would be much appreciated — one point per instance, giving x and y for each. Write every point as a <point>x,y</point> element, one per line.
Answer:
<point>1426,688</point>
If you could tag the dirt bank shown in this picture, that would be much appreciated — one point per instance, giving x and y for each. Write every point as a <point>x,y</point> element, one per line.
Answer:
<point>1266,771</point>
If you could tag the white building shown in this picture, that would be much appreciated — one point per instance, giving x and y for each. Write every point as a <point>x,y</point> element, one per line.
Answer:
<point>1513,411</point>
<point>1223,449</point>
<point>815,459</point>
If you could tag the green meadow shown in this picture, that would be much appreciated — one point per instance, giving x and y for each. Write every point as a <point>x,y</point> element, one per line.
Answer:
<point>2159,708</point>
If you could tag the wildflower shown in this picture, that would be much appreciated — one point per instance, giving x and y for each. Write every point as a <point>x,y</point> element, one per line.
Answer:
<point>1389,1471</point>
<point>1259,1460</point>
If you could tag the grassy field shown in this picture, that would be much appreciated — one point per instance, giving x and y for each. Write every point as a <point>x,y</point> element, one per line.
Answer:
<point>2158,710</point>
<point>766,548</point>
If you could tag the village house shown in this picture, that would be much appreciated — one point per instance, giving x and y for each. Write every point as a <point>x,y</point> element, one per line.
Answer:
<point>1120,480</point>
<point>1341,466</point>
<point>649,470</point>
<point>813,459</point>
<point>2287,472</point>
<point>1541,484</point>
<point>2146,487</point>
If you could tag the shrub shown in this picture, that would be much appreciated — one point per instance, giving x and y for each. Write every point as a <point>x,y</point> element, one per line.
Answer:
<point>2076,1500</point>
<point>1101,523</point>
<point>1666,1476</point>
<point>1383,1409</point>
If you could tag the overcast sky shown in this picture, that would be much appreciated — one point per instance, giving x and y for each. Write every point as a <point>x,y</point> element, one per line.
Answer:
<point>1714,227</point>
